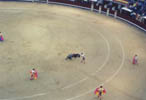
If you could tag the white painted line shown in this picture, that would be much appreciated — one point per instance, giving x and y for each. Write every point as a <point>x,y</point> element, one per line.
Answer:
<point>81,95</point>
<point>122,63</point>
<point>108,80</point>
<point>108,55</point>
<point>71,85</point>
<point>14,8</point>
<point>101,67</point>
<point>114,75</point>
<point>26,97</point>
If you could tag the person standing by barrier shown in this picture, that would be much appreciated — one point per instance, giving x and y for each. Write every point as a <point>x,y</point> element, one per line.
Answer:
<point>99,92</point>
<point>1,37</point>
<point>135,59</point>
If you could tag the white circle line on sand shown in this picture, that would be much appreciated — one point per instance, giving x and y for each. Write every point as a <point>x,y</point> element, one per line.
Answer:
<point>122,63</point>
<point>76,83</point>
<point>41,94</point>
<point>101,67</point>
<point>71,85</point>
<point>108,54</point>
<point>14,8</point>
<point>109,79</point>
<point>26,97</point>
<point>83,94</point>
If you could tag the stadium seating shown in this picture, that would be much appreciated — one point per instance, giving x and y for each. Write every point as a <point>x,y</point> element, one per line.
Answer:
<point>131,10</point>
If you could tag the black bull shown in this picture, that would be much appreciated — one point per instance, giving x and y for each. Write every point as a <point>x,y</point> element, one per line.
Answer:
<point>70,56</point>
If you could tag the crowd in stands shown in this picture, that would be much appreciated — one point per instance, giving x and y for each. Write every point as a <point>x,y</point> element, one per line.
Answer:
<point>136,8</point>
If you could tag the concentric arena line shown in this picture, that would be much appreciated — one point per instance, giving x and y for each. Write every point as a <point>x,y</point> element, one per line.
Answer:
<point>109,79</point>
<point>71,85</point>
<point>100,68</point>
<point>83,94</point>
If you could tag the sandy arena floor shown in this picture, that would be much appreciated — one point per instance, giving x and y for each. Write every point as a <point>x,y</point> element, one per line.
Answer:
<point>41,36</point>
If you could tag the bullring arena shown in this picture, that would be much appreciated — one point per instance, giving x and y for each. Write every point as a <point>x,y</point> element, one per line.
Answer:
<point>41,36</point>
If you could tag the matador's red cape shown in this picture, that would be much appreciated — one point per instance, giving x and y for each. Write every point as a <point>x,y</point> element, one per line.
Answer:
<point>98,90</point>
